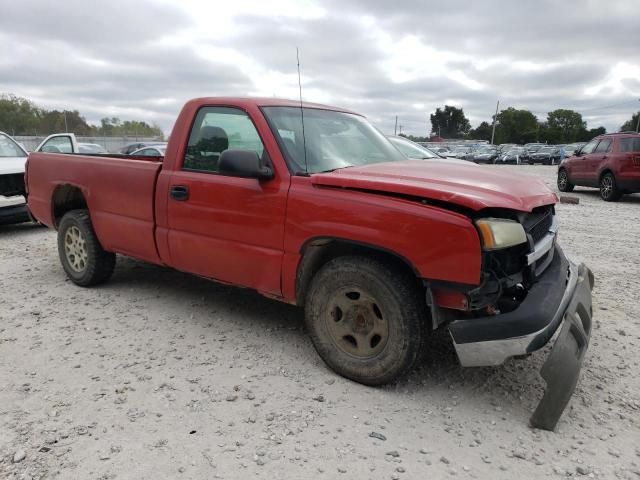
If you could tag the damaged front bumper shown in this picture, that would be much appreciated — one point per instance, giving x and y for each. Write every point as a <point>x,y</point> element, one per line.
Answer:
<point>559,302</point>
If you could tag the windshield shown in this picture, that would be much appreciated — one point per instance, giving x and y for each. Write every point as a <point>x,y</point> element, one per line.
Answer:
<point>411,149</point>
<point>9,148</point>
<point>331,140</point>
<point>546,150</point>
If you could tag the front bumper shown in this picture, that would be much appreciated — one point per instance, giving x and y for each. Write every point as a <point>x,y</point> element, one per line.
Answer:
<point>559,301</point>
<point>14,214</point>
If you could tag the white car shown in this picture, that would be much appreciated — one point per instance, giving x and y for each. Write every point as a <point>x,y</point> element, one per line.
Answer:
<point>13,208</point>
<point>153,151</point>
<point>13,205</point>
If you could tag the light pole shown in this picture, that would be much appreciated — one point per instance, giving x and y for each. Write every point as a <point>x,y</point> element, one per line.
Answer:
<point>638,122</point>
<point>495,117</point>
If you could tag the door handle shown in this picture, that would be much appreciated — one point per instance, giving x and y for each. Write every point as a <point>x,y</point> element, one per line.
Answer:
<point>179,192</point>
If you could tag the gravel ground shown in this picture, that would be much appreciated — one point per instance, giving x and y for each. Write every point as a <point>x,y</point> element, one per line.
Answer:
<point>158,374</point>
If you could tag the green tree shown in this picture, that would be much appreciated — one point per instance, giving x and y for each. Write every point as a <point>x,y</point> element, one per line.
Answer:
<point>481,132</point>
<point>18,116</point>
<point>115,127</point>
<point>55,121</point>
<point>586,135</point>
<point>630,125</point>
<point>449,122</point>
<point>565,126</point>
<point>516,126</point>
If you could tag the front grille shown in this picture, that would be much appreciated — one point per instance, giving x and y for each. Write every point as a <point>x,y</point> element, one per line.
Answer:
<point>538,222</point>
<point>12,184</point>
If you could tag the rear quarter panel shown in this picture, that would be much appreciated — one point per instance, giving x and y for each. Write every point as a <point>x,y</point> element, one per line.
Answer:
<point>119,194</point>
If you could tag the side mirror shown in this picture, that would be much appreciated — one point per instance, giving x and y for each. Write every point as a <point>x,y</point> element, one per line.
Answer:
<point>243,163</point>
<point>577,153</point>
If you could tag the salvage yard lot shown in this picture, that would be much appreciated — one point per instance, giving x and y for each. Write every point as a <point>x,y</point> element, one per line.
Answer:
<point>159,374</point>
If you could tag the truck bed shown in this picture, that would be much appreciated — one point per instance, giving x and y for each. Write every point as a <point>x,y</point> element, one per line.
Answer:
<point>119,192</point>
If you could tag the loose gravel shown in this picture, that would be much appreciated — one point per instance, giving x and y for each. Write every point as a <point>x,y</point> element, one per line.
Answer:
<point>159,374</point>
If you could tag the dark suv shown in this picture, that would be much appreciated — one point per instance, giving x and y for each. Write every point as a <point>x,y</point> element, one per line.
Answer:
<point>610,162</point>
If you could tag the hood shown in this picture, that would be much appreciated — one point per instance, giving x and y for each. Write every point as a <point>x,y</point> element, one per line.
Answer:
<point>462,184</point>
<point>10,165</point>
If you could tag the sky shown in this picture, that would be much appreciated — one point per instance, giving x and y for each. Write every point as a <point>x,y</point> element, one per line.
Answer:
<point>142,59</point>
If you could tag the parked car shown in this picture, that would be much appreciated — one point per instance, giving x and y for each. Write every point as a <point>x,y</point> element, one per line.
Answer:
<point>156,151</point>
<point>572,148</point>
<point>505,147</point>
<point>461,152</point>
<point>378,249</point>
<point>90,148</point>
<point>13,208</point>
<point>534,147</point>
<point>59,143</point>
<point>546,156</point>
<point>411,149</point>
<point>610,162</point>
<point>515,156</point>
<point>485,155</point>
<point>129,149</point>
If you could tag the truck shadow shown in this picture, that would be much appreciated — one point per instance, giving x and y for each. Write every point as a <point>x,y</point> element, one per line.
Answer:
<point>20,228</point>
<point>437,373</point>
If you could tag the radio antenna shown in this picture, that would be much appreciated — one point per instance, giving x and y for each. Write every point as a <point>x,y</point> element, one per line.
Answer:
<point>304,140</point>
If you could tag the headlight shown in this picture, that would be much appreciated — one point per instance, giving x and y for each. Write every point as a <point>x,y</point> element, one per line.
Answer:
<point>497,233</point>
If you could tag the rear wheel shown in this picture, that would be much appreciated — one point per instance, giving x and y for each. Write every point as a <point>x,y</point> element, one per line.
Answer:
<point>366,319</point>
<point>564,185</point>
<point>83,259</point>
<point>609,191</point>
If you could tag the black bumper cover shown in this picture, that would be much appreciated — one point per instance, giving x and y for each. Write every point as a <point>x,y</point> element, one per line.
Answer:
<point>14,214</point>
<point>559,302</point>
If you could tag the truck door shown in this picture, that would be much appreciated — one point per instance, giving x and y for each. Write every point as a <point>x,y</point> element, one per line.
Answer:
<point>59,143</point>
<point>223,227</point>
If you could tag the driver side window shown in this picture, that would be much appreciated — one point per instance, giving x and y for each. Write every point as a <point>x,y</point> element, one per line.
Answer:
<point>215,130</point>
<point>589,147</point>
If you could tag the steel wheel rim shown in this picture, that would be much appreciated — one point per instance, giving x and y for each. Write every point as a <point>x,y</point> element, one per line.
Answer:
<point>607,186</point>
<point>562,180</point>
<point>356,323</point>
<point>75,249</point>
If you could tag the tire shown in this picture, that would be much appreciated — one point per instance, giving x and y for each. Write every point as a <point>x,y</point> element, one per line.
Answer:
<point>83,259</point>
<point>366,319</point>
<point>609,191</point>
<point>564,185</point>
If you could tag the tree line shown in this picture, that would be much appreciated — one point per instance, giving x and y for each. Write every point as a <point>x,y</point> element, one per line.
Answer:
<point>19,116</point>
<point>518,126</point>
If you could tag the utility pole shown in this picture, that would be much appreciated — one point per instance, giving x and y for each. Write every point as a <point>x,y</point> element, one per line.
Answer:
<point>395,130</point>
<point>638,122</point>
<point>495,117</point>
<point>66,129</point>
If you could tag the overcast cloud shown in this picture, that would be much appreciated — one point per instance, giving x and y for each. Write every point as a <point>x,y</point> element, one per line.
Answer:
<point>142,59</point>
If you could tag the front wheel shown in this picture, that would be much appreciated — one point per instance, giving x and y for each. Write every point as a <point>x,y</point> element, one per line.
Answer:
<point>564,185</point>
<point>366,319</point>
<point>609,191</point>
<point>83,259</point>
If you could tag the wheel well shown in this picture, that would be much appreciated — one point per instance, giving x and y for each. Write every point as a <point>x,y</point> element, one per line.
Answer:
<point>317,253</point>
<point>604,172</point>
<point>66,198</point>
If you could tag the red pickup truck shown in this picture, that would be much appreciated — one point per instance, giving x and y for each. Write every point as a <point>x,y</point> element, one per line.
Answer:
<point>311,205</point>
